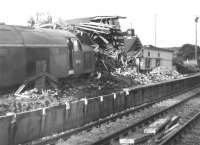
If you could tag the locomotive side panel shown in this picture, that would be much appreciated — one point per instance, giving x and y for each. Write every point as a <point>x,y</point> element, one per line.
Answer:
<point>34,57</point>
<point>88,59</point>
<point>59,62</point>
<point>12,66</point>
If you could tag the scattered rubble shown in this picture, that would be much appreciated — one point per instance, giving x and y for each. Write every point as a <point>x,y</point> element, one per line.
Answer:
<point>159,74</point>
<point>32,99</point>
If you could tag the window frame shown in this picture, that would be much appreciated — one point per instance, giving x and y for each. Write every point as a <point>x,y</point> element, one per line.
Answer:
<point>149,54</point>
<point>78,46</point>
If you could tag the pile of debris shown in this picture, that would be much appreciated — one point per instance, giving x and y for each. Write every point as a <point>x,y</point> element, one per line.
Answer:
<point>163,74</point>
<point>157,75</point>
<point>104,31</point>
<point>32,99</point>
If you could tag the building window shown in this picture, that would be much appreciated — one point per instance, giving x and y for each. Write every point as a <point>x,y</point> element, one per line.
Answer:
<point>148,53</point>
<point>158,54</point>
<point>148,63</point>
<point>157,62</point>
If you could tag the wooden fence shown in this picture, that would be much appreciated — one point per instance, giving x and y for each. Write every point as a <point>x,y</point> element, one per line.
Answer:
<point>24,127</point>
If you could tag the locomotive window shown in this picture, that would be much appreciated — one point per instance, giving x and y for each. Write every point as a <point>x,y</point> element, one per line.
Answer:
<point>77,46</point>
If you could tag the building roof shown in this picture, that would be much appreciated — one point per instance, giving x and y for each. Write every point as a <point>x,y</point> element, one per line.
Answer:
<point>26,36</point>
<point>150,47</point>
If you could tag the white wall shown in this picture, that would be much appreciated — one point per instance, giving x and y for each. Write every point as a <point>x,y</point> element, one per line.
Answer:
<point>165,56</point>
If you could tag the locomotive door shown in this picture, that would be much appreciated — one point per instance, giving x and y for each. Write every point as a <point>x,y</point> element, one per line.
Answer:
<point>77,57</point>
<point>36,58</point>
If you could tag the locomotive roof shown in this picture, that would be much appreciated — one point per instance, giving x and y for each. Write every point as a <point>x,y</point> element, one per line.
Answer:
<point>25,36</point>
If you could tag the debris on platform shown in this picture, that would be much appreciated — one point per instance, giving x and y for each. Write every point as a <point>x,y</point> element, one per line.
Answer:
<point>157,75</point>
<point>27,99</point>
<point>35,99</point>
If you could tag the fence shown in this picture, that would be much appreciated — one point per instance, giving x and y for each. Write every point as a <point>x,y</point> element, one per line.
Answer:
<point>23,127</point>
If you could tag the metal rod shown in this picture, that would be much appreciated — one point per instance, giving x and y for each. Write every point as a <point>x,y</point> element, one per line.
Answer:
<point>196,21</point>
<point>155,29</point>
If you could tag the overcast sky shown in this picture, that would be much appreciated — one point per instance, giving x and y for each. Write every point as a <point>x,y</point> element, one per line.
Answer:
<point>175,18</point>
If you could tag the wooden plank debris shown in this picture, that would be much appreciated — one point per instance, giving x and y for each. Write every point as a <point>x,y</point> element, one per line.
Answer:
<point>166,133</point>
<point>135,139</point>
<point>173,121</point>
<point>170,127</point>
<point>156,126</point>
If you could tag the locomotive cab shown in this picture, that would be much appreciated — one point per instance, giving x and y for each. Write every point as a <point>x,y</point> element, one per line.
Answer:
<point>25,52</point>
<point>81,57</point>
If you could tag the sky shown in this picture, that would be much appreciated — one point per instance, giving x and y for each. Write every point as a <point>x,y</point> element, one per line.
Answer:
<point>174,19</point>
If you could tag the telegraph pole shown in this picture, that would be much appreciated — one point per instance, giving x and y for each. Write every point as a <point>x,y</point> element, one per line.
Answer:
<point>196,21</point>
<point>155,29</point>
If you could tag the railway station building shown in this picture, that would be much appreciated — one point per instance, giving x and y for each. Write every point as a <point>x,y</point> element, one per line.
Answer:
<point>152,57</point>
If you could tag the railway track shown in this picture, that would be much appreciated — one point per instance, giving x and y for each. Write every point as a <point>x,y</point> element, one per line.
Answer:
<point>188,133</point>
<point>139,118</point>
<point>66,135</point>
<point>139,110</point>
<point>113,139</point>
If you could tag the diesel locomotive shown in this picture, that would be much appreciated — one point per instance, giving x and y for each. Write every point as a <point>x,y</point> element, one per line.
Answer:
<point>24,49</point>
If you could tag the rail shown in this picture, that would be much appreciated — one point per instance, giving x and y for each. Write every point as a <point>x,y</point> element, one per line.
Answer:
<point>116,135</point>
<point>172,139</point>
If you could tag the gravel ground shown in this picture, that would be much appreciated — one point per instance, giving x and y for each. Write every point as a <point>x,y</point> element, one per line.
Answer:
<point>86,138</point>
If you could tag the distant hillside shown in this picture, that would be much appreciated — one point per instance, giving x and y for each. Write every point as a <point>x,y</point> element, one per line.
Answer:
<point>187,51</point>
<point>183,53</point>
<point>175,49</point>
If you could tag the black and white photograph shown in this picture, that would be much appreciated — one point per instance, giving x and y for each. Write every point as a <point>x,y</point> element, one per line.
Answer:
<point>107,72</point>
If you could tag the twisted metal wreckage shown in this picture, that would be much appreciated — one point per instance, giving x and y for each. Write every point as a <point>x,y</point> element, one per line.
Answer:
<point>114,49</point>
